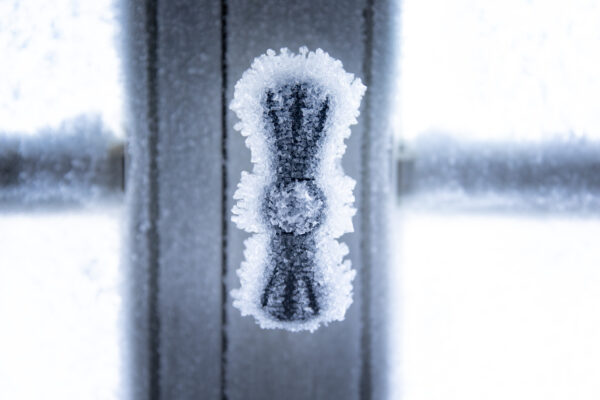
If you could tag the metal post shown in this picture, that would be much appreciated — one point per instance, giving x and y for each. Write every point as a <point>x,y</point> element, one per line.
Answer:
<point>174,190</point>
<point>187,341</point>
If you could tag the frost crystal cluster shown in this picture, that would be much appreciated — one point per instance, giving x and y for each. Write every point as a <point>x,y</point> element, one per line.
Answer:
<point>295,111</point>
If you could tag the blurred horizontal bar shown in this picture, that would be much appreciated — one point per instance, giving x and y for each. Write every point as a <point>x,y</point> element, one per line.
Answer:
<point>78,162</point>
<point>560,174</point>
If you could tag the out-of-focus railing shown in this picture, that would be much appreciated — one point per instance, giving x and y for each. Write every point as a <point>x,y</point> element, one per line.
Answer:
<point>561,175</point>
<point>79,162</point>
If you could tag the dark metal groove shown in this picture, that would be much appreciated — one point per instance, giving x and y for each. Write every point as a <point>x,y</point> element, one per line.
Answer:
<point>224,202</point>
<point>366,384</point>
<point>153,200</point>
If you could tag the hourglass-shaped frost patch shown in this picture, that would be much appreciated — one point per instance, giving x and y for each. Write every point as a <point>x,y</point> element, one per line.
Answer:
<point>296,111</point>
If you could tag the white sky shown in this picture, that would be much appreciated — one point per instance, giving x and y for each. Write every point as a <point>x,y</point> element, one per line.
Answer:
<point>491,69</point>
<point>59,59</point>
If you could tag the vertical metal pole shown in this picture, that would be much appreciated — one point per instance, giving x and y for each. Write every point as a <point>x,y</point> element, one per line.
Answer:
<point>336,361</point>
<point>186,341</point>
<point>175,201</point>
<point>378,177</point>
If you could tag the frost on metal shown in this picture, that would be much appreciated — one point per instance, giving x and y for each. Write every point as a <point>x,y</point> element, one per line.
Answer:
<point>295,111</point>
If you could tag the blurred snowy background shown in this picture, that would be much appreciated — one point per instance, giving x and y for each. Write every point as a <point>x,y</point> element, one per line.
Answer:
<point>59,61</point>
<point>60,233</point>
<point>495,286</point>
<point>497,271</point>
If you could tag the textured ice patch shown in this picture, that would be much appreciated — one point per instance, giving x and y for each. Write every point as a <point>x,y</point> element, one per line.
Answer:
<point>295,111</point>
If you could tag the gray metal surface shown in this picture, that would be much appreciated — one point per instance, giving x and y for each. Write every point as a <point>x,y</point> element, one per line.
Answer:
<point>273,363</point>
<point>178,145</point>
<point>174,194</point>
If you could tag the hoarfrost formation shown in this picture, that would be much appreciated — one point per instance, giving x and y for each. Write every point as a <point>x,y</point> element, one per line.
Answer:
<point>295,111</point>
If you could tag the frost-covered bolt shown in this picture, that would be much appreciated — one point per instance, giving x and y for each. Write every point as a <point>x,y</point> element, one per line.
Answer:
<point>295,207</point>
<point>296,111</point>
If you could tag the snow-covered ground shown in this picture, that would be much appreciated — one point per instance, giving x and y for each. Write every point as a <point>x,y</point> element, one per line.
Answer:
<point>495,306</point>
<point>60,304</point>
